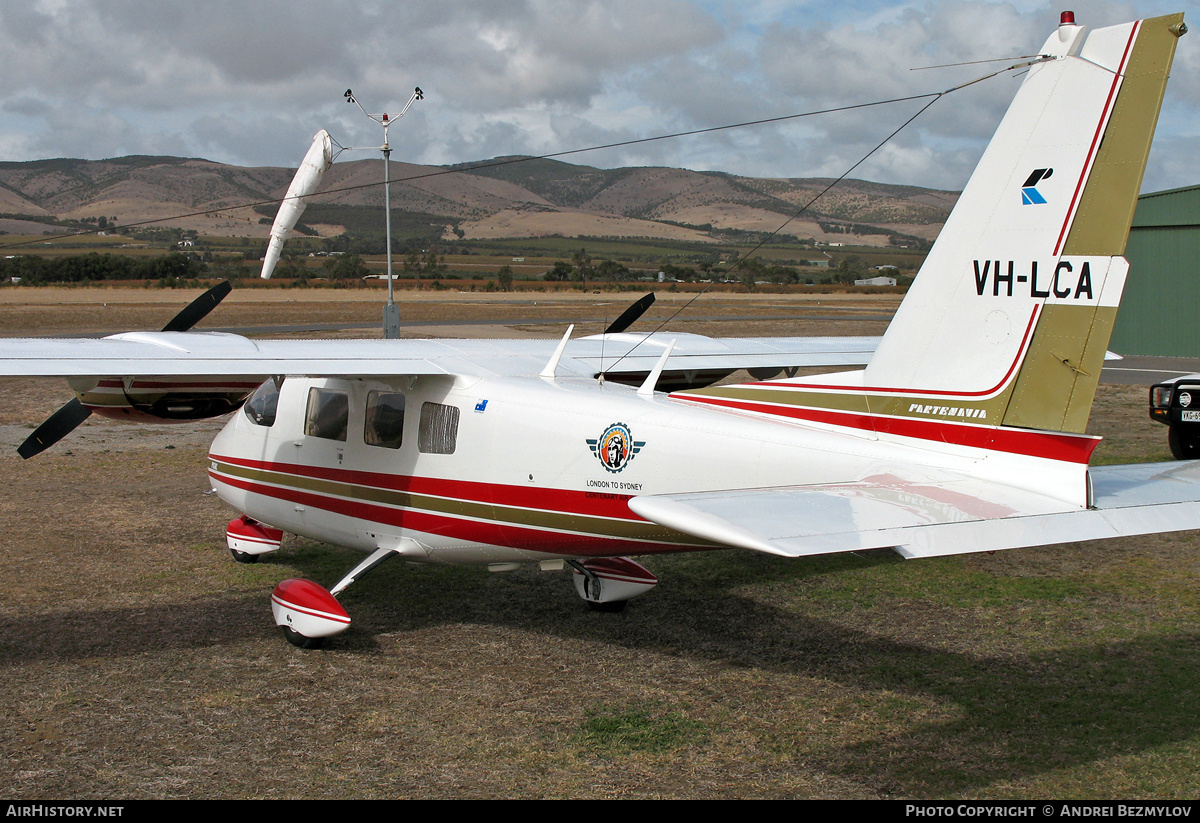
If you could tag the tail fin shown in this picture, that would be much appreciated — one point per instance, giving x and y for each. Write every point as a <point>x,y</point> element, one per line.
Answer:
<point>998,345</point>
<point>1012,311</point>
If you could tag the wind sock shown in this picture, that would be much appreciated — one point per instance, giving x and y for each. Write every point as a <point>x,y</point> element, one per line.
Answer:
<point>308,177</point>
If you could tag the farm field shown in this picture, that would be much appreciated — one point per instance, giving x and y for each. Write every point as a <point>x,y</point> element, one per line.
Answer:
<point>137,660</point>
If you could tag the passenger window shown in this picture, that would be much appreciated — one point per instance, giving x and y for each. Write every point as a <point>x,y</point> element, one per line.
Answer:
<point>261,406</point>
<point>328,414</point>
<point>385,419</point>
<point>439,429</point>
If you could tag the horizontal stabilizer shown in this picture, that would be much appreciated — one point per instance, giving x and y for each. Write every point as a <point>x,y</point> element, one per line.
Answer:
<point>932,513</point>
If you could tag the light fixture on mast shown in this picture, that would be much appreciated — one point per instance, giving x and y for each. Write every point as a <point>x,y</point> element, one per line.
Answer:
<point>391,314</point>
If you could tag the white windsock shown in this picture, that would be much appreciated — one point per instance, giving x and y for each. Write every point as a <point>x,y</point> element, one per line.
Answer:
<point>308,177</point>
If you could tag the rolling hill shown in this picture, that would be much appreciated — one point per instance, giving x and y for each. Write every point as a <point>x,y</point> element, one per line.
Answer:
<point>502,197</point>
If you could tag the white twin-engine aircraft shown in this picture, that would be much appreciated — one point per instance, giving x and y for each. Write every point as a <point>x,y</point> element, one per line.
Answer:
<point>964,433</point>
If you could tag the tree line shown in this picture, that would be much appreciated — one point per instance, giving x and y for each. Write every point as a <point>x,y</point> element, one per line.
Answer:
<point>93,267</point>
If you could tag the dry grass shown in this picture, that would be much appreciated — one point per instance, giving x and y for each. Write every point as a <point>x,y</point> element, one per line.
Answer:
<point>137,660</point>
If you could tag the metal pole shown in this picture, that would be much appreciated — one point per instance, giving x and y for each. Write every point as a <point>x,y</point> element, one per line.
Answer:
<point>391,312</point>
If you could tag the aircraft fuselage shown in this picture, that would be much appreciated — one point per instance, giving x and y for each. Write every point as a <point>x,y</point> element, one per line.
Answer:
<point>551,464</point>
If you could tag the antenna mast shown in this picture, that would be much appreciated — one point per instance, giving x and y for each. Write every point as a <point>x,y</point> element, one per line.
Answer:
<point>391,314</point>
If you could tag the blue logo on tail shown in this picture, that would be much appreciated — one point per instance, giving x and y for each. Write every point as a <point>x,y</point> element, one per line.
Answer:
<point>1030,196</point>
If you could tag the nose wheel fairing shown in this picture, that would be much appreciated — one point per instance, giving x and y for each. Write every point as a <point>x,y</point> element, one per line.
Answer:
<point>248,539</point>
<point>608,583</point>
<point>307,612</point>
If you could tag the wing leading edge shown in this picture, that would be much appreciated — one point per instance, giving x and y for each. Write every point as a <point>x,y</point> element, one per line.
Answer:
<point>146,354</point>
<point>929,513</point>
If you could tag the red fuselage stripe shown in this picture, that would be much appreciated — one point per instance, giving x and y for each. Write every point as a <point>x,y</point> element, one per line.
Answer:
<point>143,383</point>
<point>475,531</point>
<point>1016,441</point>
<point>555,500</point>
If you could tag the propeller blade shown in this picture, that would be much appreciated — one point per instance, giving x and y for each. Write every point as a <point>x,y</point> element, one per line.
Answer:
<point>56,427</point>
<point>63,422</point>
<point>199,308</point>
<point>630,315</point>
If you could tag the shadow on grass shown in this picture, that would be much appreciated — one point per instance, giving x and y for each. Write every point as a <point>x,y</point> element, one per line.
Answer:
<point>122,632</point>
<point>1015,716</point>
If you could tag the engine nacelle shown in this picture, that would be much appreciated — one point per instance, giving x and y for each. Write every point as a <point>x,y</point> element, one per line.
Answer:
<point>164,400</point>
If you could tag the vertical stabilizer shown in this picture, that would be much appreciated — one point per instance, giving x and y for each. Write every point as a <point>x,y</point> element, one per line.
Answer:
<point>995,352</point>
<point>1013,309</point>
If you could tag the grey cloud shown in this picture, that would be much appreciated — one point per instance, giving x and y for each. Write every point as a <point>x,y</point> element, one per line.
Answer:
<point>250,83</point>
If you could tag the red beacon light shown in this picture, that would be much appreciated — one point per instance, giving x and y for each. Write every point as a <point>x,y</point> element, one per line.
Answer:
<point>1067,18</point>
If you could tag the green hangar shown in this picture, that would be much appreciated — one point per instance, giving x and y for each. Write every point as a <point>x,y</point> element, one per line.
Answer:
<point>1162,295</point>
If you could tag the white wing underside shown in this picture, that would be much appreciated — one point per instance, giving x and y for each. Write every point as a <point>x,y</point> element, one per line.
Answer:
<point>927,513</point>
<point>155,354</point>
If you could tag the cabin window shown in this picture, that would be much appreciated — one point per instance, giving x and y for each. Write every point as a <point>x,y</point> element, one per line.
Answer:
<point>385,419</point>
<point>328,414</point>
<point>439,429</point>
<point>261,406</point>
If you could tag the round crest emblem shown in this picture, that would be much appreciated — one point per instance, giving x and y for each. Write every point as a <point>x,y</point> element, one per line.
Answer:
<point>1185,399</point>
<point>615,447</point>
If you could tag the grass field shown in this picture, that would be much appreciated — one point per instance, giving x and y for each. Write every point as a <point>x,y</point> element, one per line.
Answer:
<point>138,660</point>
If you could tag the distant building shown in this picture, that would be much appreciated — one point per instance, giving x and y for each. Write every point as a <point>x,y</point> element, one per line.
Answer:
<point>876,281</point>
<point>1160,302</point>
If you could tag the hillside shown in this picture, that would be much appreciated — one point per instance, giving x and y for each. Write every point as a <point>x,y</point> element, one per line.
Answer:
<point>503,197</point>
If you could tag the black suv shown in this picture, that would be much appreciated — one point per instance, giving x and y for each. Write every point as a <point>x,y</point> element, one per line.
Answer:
<point>1177,403</point>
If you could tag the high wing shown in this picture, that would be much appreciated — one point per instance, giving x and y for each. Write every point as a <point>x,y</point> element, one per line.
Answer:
<point>932,513</point>
<point>189,354</point>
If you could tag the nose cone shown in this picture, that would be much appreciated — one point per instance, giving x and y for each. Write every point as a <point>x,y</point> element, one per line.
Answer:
<point>220,444</point>
<point>222,448</point>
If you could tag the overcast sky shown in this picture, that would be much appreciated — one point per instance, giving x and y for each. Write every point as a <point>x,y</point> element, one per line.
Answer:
<point>250,81</point>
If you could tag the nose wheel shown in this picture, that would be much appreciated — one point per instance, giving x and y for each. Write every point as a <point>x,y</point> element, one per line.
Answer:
<point>300,641</point>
